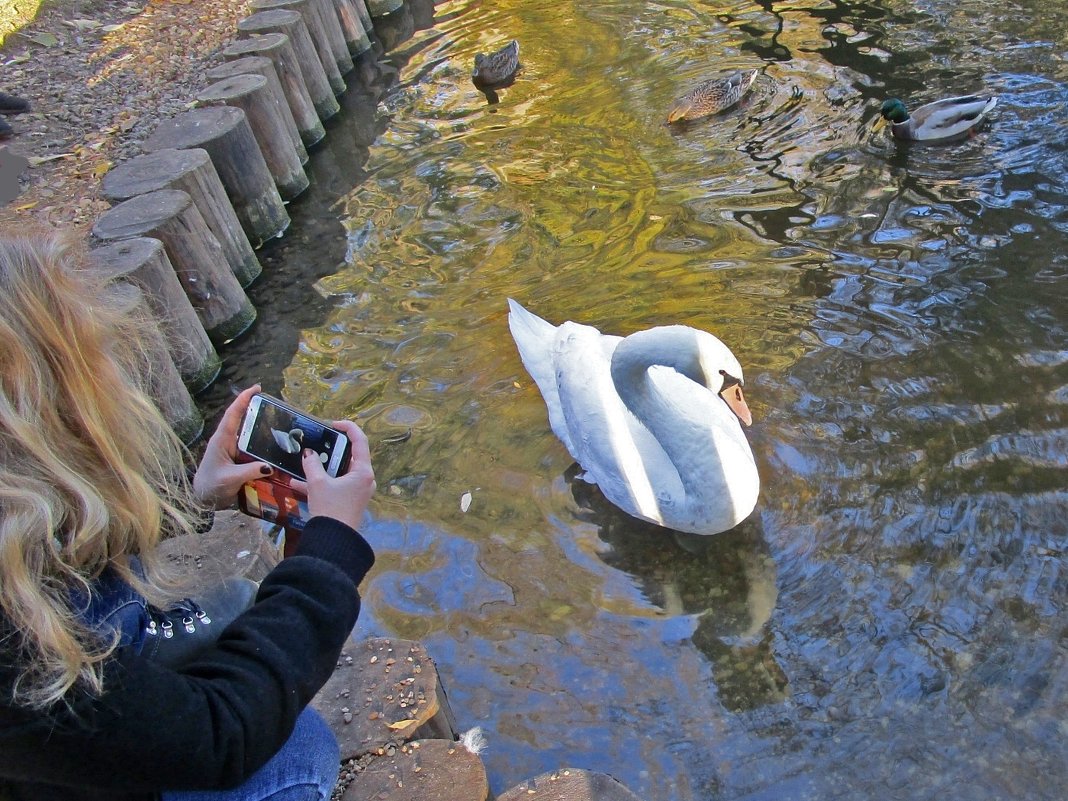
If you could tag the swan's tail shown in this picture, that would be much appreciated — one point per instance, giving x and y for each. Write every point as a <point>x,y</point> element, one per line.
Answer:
<point>536,339</point>
<point>528,327</point>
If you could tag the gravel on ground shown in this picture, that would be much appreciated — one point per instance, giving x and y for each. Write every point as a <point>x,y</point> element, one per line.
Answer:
<point>100,75</point>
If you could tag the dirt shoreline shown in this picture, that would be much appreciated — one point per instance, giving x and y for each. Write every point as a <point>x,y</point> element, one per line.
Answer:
<point>100,76</point>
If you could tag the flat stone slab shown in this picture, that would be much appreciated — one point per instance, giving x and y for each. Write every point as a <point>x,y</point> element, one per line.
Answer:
<point>384,691</point>
<point>423,770</point>
<point>236,545</point>
<point>569,784</point>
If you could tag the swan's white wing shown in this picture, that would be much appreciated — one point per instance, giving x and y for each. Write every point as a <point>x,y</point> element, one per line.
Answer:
<point>617,452</point>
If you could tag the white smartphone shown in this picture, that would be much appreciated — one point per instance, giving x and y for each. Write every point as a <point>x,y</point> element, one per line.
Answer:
<point>276,433</point>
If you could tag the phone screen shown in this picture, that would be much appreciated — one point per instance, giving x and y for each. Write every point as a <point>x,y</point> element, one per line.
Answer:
<point>277,434</point>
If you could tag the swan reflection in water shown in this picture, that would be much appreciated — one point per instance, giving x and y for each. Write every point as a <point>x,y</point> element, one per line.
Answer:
<point>727,583</point>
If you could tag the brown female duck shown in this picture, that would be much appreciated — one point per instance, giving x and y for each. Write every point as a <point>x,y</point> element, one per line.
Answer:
<point>712,96</point>
<point>498,67</point>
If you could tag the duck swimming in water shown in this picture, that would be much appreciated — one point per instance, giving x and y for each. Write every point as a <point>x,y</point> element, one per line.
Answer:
<point>496,68</point>
<point>712,96</point>
<point>950,118</point>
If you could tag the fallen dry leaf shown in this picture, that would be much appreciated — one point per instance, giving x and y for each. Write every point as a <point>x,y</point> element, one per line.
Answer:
<point>45,39</point>
<point>402,724</point>
<point>35,160</point>
<point>82,24</point>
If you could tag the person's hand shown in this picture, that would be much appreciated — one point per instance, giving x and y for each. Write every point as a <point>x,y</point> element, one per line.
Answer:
<point>344,498</point>
<point>219,477</point>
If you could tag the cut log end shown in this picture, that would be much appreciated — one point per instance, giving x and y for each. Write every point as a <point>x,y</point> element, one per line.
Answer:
<point>423,770</point>
<point>569,784</point>
<point>384,690</point>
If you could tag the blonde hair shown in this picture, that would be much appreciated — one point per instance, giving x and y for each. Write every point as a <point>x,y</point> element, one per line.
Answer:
<point>90,471</point>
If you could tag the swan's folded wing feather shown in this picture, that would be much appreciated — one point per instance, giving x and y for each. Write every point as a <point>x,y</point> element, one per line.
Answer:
<point>617,452</point>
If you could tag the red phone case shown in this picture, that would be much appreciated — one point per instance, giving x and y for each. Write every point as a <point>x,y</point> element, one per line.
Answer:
<point>275,501</point>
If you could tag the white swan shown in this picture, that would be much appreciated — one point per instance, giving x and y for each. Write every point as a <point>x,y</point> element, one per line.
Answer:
<point>653,419</point>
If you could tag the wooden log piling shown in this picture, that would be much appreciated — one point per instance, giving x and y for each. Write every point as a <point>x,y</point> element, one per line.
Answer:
<point>252,94</point>
<point>395,28</point>
<point>384,689</point>
<point>333,32</point>
<point>365,16</point>
<point>224,132</point>
<point>313,21</point>
<point>569,784</point>
<point>235,546</point>
<point>143,261</point>
<point>356,35</point>
<point>191,171</point>
<point>278,48</point>
<point>291,23</point>
<point>261,65</point>
<point>165,384</point>
<point>381,8</point>
<point>422,770</point>
<point>170,216</point>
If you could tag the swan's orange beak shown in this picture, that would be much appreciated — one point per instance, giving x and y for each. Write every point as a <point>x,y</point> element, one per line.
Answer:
<point>736,400</point>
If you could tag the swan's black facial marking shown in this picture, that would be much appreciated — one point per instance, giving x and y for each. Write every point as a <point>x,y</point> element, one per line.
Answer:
<point>728,381</point>
<point>731,394</point>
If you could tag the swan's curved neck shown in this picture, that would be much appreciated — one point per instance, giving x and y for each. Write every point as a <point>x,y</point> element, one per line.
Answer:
<point>672,346</point>
<point>698,433</point>
<point>669,416</point>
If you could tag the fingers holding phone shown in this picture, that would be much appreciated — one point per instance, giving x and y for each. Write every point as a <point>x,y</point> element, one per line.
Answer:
<point>344,498</point>
<point>219,477</point>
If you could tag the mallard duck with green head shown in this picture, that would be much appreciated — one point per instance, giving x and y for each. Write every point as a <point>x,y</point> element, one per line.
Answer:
<point>950,118</point>
<point>496,68</point>
<point>712,96</point>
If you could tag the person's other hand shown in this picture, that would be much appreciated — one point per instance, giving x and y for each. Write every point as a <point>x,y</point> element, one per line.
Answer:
<point>344,498</point>
<point>219,477</point>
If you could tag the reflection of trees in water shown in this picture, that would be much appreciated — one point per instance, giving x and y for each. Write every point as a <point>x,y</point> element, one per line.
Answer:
<point>726,581</point>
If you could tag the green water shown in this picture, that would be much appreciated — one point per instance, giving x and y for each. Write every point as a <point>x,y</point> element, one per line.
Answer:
<point>890,622</point>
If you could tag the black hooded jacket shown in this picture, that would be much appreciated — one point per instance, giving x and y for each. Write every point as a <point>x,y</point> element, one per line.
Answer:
<point>210,724</point>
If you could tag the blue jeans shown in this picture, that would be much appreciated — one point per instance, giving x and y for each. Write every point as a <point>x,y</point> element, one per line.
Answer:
<point>305,769</point>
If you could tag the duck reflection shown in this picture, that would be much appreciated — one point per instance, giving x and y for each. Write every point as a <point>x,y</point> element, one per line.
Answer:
<point>727,582</point>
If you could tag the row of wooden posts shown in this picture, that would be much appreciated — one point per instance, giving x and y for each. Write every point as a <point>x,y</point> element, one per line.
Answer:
<point>211,186</point>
